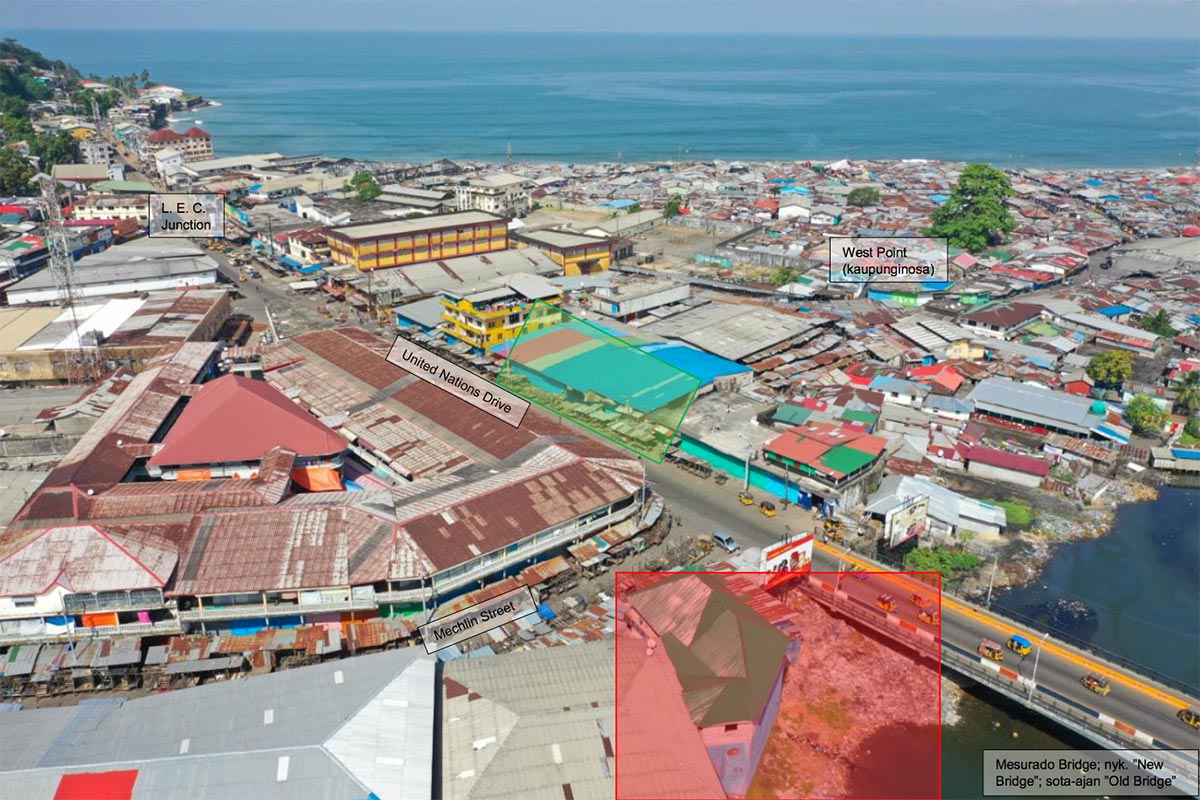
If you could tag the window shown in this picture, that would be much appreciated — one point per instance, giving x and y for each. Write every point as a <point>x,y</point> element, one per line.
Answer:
<point>731,727</point>
<point>24,602</point>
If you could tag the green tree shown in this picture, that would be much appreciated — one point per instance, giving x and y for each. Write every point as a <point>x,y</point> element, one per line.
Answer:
<point>360,178</point>
<point>633,209</point>
<point>55,148</point>
<point>975,216</point>
<point>783,276</point>
<point>1111,368</point>
<point>674,203</point>
<point>1187,392</point>
<point>863,196</point>
<point>145,78</point>
<point>1158,322</point>
<point>1145,415</point>
<point>369,191</point>
<point>15,174</point>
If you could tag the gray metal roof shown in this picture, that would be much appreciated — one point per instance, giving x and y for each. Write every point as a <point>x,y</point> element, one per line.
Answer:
<point>945,505</point>
<point>729,330</point>
<point>1035,404</point>
<point>533,729</point>
<point>346,727</point>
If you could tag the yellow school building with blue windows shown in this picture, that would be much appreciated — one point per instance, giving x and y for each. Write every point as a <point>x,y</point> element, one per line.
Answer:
<point>397,243</point>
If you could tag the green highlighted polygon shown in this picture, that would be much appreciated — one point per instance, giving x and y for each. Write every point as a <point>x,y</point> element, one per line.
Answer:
<point>598,380</point>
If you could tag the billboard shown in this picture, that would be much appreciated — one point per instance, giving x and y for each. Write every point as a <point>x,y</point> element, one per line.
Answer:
<point>906,520</point>
<point>793,554</point>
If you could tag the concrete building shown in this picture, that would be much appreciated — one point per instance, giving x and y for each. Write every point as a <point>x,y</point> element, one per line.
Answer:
<point>195,143</point>
<point>96,150</point>
<point>632,299</point>
<point>113,206</point>
<point>375,245</point>
<point>949,511</point>
<point>42,345</point>
<point>503,194</point>
<point>495,313</point>
<point>575,253</point>
<point>999,465</point>
<point>142,265</point>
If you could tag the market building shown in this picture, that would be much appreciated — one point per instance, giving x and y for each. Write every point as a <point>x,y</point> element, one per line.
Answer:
<point>375,245</point>
<point>576,253</point>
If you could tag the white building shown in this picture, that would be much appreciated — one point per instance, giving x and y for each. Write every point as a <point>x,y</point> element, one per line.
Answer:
<point>95,150</point>
<point>633,299</point>
<point>113,206</point>
<point>502,194</point>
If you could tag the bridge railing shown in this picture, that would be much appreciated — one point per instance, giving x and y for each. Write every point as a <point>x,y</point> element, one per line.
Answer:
<point>1020,619</point>
<point>1080,719</point>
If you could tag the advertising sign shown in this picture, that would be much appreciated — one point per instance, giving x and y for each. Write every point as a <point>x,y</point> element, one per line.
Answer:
<point>906,521</point>
<point>789,555</point>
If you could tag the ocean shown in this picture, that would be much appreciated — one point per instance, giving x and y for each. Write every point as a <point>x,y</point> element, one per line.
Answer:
<point>600,97</point>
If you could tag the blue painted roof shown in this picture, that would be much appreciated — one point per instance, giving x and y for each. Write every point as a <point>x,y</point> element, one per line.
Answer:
<point>1190,455</point>
<point>1094,182</point>
<point>1115,311</point>
<point>936,286</point>
<point>939,198</point>
<point>796,190</point>
<point>702,365</point>
<point>782,180</point>
<point>288,261</point>
<point>618,203</point>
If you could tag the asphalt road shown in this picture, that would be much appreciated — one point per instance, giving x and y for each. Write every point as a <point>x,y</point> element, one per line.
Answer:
<point>705,507</point>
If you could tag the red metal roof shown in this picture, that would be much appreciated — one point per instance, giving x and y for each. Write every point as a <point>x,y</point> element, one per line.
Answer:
<point>238,419</point>
<point>116,785</point>
<point>164,135</point>
<point>1017,463</point>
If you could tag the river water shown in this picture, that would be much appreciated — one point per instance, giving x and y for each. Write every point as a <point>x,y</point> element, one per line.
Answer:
<point>1142,580</point>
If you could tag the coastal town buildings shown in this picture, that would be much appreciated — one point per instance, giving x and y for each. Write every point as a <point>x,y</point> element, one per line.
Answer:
<point>401,243</point>
<point>501,194</point>
<point>496,311</point>
<point>575,253</point>
<point>195,144</point>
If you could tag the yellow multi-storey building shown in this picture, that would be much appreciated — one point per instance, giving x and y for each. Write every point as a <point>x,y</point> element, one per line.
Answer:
<point>484,318</point>
<point>375,245</point>
<point>575,253</point>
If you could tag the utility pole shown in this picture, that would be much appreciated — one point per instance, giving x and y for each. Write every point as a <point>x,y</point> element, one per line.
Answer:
<point>62,266</point>
<point>508,153</point>
<point>1033,678</point>
<point>992,581</point>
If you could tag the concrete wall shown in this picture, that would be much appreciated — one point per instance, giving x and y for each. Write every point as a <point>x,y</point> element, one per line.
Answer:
<point>1006,475</point>
<point>25,446</point>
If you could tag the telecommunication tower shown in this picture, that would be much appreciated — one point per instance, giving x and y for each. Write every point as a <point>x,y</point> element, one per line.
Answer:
<point>62,267</point>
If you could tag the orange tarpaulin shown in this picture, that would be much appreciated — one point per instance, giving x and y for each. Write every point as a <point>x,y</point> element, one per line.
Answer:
<point>100,620</point>
<point>318,479</point>
<point>193,474</point>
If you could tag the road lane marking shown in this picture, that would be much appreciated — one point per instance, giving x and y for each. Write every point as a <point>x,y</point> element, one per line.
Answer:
<point>990,621</point>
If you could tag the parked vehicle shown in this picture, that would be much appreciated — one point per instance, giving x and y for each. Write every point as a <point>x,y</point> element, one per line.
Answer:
<point>725,542</point>
<point>745,498</point>
<point>767,508</point>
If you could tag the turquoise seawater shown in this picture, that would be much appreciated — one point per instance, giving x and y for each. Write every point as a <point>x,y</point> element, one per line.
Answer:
<point>584,97</point>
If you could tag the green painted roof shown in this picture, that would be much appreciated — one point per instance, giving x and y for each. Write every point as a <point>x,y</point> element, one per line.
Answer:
<point>792,414</point>
<point>845,459</point>
<point>859,416</point>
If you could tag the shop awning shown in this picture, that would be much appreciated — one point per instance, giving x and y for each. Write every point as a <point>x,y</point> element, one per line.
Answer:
<point>327,287</point>
<point>303,286</point>
<point>288,261</point>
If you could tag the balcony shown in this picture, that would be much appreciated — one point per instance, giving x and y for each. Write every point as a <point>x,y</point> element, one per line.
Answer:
<point>167,626</point>
<point>617,519</point>
<point>273,610</point>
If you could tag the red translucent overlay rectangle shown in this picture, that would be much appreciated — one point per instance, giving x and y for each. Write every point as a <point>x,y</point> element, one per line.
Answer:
<point>827,685</point>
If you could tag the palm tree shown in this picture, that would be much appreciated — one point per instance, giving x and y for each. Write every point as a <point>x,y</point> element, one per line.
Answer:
<point>1187,392</point>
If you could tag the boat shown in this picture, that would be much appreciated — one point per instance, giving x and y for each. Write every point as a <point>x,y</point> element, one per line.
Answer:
<point>213,103</point>
<point>176,119</point>
<point>197,122</point>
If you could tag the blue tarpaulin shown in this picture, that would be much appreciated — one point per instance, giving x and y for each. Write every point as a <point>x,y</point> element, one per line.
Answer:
<point>1115,311</point>
<point>546,612</point>
<point>288,261</point>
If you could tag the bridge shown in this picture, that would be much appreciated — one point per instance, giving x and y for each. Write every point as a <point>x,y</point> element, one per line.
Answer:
<point>1138,713</point>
